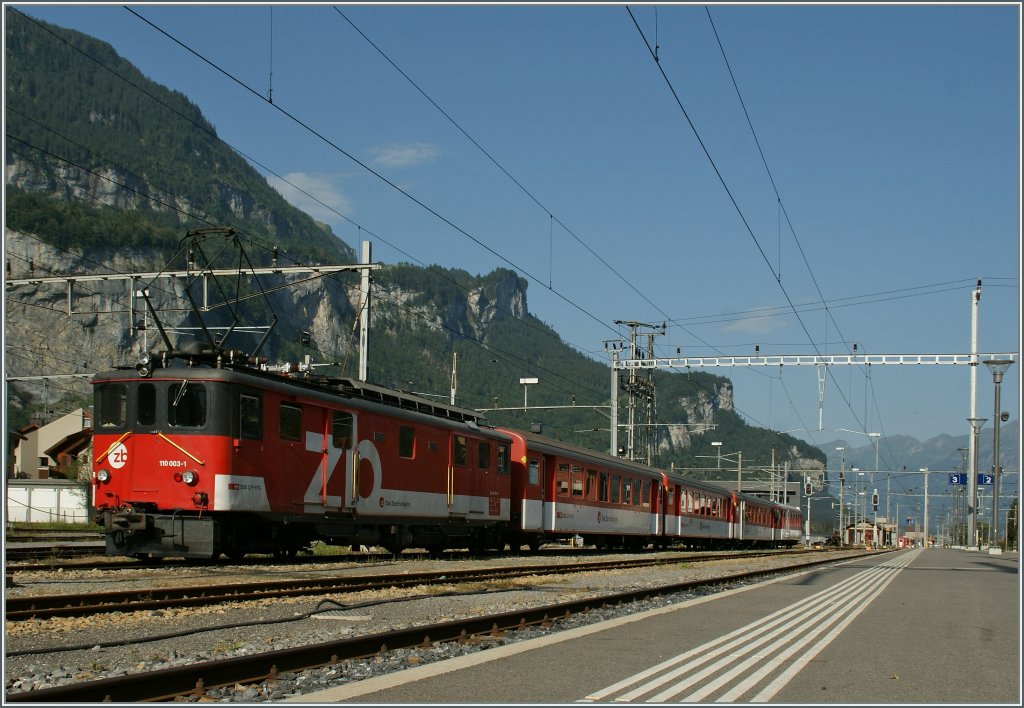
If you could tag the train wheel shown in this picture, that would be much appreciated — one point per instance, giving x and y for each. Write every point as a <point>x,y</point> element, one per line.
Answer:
<point>286,553</point>
<point>235,554</point>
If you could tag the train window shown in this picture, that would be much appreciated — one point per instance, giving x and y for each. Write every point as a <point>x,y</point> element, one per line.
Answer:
<point>291,422</point>
<point>483,455</point>
<point>591,492</point>
<point>627,485</point>
<point>637,496</point>
<point>562,481</point>
<point>112,400</point>
<point>250,416</point>
<point>577,482</point>
<point>645,494</point>
<point>186,405</point>
<point>459,450</point>
<point>671,495</point>
<point>341,430</point>
<point>502,459</point>
<point>407,442</point>
<point>532,474</point>
<point>145,405</point>
<point>602,490</point>
<point>616,488</point>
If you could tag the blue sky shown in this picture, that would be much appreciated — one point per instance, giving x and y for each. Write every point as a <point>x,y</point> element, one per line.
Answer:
<point>891,134</point>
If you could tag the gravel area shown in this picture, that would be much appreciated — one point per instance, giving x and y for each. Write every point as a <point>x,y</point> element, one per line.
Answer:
<point>120,643</point>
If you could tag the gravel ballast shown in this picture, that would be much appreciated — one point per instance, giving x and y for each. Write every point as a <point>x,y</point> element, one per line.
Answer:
<point>115,644</point>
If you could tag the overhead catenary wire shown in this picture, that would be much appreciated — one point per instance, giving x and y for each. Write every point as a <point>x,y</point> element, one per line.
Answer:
<point>771,178</point>
<point>205,129</point>
<point>171,203</point>
<point>736,206</point>
<point>333,145</point>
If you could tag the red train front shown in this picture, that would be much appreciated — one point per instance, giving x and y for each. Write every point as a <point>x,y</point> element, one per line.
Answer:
<point>199,461</point>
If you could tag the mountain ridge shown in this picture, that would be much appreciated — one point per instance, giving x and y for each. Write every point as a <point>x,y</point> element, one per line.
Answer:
<point>101,177</point>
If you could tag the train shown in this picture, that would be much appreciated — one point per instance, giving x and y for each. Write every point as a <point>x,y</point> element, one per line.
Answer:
<point>201,454</point>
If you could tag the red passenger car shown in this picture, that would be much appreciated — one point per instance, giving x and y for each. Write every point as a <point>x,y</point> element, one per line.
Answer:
<point>560,491</point>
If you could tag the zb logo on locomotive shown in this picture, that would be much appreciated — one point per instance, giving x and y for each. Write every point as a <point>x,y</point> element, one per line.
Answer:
<point>118,457</point>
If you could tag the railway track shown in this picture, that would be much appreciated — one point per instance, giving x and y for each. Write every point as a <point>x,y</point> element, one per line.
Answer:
<point>191,682</point>
<point>47,606</point>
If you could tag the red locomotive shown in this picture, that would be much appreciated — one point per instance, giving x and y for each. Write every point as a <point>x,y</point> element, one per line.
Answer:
<point>197,456</point>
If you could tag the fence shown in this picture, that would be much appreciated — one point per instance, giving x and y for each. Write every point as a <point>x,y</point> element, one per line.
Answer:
<point>42,500</point>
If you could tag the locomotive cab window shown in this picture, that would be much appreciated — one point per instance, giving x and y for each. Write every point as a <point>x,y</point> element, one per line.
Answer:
<point>502,459</point>
<point>483,455</point>
<point>406,441</point>
<point>186,405</point>
<point>341,429</point>
<point>291,422</point>
<point>145,405</point>
<point>250,417</point>
<point>459,450</point>
<point>112,401</point>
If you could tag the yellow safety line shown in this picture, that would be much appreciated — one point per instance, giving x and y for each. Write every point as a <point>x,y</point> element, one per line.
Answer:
<point>355,476</point>
<point>181,449</point>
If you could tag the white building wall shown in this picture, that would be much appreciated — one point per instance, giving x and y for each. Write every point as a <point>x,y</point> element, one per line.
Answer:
<point>42,500</point>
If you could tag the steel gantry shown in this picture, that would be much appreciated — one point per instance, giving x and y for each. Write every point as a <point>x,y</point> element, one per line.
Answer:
<point>137,288</point>
<point>821,361</point>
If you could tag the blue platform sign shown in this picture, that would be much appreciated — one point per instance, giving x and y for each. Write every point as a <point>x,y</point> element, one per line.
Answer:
<point>958,479</point>
<point>984,478</point>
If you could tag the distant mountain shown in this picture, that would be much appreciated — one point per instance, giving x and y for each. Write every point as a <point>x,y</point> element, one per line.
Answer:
<point>942,452</point>
<point>900,460</point>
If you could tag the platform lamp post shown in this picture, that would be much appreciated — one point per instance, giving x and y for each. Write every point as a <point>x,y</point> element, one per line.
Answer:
<point>842,485</point>
<point>961,535</point>
<point>924,470</point>
<point>997,367</point>
<point>974,503</point>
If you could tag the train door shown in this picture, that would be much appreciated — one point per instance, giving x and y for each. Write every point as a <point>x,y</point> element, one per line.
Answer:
<point>460,482</point>
<point>739,526</point>
<point>533,495</point>
<point>548,495</point>
<point>330,441</point>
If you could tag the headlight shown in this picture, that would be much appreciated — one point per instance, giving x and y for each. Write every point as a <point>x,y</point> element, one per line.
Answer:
<point>145,365</point>
<point>189,477</point>
<point>103,476</point>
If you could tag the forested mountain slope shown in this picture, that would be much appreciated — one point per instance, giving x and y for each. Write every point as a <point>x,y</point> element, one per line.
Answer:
<point>106,173</point>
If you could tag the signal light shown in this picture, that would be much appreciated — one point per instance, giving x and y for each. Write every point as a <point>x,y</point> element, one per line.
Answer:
<point>807,489</point>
